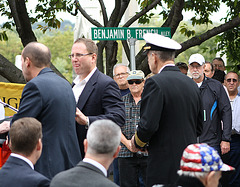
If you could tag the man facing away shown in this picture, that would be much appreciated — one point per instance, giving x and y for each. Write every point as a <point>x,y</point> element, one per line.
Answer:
<point>26,146</point>
<point>49,98</point>
<point>201,166</point>
<point>232,82</point>
<point>101,147</point>
<point>170,114</point>
<point>216,107</point>
<point>97,95</point>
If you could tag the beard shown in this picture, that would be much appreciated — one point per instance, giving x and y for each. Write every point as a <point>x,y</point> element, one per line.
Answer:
<point>196,75</point>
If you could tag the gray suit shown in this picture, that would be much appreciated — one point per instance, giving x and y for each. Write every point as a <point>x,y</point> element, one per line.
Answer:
<point>84,174</point>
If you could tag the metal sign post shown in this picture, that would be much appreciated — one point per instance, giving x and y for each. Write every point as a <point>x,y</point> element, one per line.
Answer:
<point>132,42</point>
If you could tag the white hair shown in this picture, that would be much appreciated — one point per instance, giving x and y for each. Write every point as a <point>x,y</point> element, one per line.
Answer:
<point>103,137</point>
<point>118,65</point>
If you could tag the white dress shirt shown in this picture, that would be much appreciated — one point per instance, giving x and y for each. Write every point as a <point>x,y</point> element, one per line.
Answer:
<point>80,85</point>
<point>96,164</point>
<point>23,158</point>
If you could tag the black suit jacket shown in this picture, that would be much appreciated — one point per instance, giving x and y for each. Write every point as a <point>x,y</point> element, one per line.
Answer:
<point>100,99</point>
<point>49,98</point>
<point>16,172</point>
<point>171,119</point>
<point>84,174</point>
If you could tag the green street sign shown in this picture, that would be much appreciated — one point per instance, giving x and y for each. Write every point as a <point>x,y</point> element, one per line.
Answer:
<point>124,33</point>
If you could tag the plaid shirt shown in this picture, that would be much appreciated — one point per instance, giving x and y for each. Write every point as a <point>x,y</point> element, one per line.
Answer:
<point>132,112</point>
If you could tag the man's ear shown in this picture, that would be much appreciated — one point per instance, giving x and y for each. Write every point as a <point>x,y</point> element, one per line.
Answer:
<point>39,145</point>
<point>27,61</point>
<point>85,143</point>
<point>117,151</point>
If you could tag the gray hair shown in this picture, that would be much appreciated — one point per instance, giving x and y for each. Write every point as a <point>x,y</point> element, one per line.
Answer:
<point>118,65</point>
<point>103,137</point>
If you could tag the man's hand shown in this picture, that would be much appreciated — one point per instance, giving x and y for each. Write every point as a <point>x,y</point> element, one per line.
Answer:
<point>133,147</point>
<point>80,117</point>
<point>225,147</point>
<point>4,127</point>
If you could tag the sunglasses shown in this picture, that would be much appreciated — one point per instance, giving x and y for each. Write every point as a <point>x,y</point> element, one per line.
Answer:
<point>135,81</point>
<point>229,80</point>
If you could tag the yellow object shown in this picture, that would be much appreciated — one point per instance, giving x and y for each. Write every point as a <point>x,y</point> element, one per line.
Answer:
<point>11,93</point>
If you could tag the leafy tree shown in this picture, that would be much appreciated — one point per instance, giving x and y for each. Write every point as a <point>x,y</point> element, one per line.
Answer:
<point>171,12</point>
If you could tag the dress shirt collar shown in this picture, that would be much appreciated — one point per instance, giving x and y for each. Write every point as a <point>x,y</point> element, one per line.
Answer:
<point>77,80</point>
<point>96,164</point>
<point>23,158</point>
<point>165,66</point>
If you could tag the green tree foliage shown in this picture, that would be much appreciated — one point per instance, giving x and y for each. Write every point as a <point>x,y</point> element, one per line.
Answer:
<point>60,45</point>
<point>229,41</point>
<point>59,42</point>
<point>12,47</point>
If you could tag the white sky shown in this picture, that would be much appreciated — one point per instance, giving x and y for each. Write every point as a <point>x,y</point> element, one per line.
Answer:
<point>110,5</point>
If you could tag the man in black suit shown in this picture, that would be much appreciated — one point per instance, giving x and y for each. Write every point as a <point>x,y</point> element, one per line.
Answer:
<point>97,95</point>
<point>26,146</point>
<point>49,98</point>
<point>101,146</point>
<point>170,114</point>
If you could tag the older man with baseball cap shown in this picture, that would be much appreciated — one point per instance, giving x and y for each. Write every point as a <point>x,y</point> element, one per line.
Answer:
<point>216,107</point>
<point>171,113</point>
<point>132,166</point>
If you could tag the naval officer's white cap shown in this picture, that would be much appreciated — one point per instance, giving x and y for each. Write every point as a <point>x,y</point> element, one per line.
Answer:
<point>157,42</point>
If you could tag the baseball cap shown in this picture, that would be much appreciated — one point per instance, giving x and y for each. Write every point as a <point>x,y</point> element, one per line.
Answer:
<point>201,158</point>
<point>136,74</point>
<point>196,58</point>
<point>158,42</point>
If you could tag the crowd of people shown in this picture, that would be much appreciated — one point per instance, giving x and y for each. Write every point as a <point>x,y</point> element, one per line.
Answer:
<point>167,129</point>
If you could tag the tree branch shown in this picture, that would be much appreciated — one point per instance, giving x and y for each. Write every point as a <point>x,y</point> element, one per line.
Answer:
<point>115,13</point>
<point>104,12</point>
<point>21,19</point>
<point>141,13</point>
<point>124,6</point>
<point>175,16</point>
<point>197,40</point>
<point>85,14</point>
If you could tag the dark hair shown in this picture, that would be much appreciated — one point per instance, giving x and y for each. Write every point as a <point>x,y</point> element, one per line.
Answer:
<point>90,45</point>
<point>219,59</point>
<point>219,75</point>
<point>211,65</point>
<point>182,65</point>
<point>231,72</point>
<point>24,135</point>
<point>38,53</point>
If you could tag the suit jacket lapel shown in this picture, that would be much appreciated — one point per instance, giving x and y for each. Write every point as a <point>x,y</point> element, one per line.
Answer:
<point>90,86</point>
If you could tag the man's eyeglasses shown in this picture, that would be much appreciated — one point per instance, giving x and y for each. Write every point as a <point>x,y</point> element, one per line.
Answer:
<point>122,74</point>
<point>135,81</point>
<point>232,80</point>
<point>78,55</point>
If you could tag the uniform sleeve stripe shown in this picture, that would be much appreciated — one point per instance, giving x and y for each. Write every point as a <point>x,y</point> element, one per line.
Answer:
<point>138,141</point>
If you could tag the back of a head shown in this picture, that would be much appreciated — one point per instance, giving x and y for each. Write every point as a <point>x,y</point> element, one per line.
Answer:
<point>38,53</point>
<point>219,75</point>
<point>90,45</point>
<point>103,137</point>
<point>24,135</point>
